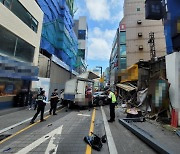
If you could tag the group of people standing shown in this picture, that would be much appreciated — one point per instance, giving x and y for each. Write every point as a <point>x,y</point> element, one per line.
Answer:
<point>41,103</point>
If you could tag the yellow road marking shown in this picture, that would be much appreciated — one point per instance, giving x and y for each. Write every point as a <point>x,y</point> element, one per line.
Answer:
<point>26,128</point>
<point>88,147</point>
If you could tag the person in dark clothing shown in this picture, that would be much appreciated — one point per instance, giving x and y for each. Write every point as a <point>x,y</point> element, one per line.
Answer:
<point>41,103</point>
<point>35,97</point>
<point>112,96</point>
<point>53,102</point>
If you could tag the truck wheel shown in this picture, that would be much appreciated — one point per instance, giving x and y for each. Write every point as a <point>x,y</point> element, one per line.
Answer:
<point>69,105</point>
<point>100,103</point>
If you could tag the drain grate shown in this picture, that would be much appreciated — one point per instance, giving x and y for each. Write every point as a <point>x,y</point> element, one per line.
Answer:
<point>3,136</point>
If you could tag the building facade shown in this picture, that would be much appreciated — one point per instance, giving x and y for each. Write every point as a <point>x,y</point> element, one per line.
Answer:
<point>131,40</point>
<point>20,31</point>
<point>81,30</point>
<point>118,55</point>
<point>137,32</point>
<point>59,44</point>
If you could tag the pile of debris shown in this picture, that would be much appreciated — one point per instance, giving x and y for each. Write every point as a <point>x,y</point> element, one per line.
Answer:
<point>144,91</point>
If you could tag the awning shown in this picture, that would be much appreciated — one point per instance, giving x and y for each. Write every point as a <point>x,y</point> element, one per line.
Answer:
<point>88,75</point>
<point>126,87</point>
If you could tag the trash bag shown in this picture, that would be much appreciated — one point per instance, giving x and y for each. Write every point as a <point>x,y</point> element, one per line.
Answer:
<point>94,141</point>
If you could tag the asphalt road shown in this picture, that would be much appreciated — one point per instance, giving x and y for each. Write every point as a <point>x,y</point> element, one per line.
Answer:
<point>64,133</point>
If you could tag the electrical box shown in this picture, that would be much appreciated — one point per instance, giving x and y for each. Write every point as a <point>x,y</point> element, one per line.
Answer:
<point>153,9</point>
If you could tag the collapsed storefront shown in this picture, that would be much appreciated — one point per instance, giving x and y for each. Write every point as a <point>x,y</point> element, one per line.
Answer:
<point>144,87</point>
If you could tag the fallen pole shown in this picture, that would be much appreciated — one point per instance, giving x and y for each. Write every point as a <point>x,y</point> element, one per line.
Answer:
<point>139,119</point>
<point>145,138</point>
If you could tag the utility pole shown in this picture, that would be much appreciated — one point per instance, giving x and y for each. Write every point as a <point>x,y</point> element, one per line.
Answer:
<point>152,45</point>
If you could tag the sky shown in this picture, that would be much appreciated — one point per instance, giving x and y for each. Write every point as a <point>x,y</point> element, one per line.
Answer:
<point>103,17</point>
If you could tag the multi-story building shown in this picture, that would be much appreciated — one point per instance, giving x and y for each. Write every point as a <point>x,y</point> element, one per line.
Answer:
<point>118,54</point>
<point>20,31</point>
<point>106,77</point>
<point>81,30</point>
<point>59,44</point>
<point>131,40</point>
<point>137,32</point>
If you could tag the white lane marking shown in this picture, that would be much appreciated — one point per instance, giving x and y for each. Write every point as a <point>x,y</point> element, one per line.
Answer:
<point>19,123</point>
<point>52,146</point>
<point>110,140</point>
<point>85,115</point>
<point>36,143</point>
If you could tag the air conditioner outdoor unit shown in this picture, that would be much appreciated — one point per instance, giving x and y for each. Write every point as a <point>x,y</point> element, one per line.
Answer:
<point>140,47</point>
<point>139,34</point>
<point>139,22</point>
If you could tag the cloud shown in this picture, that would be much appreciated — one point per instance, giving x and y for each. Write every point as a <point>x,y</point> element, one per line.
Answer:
<point>117,17</point>
<point>99,49</point>
<point>108,10</point>
<point>98,9</point>
<point>100,44</point>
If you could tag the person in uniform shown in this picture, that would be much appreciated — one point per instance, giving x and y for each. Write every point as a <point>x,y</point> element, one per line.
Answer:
<point>53,102</point>
<point>41,103</point>
<point>112,98</point>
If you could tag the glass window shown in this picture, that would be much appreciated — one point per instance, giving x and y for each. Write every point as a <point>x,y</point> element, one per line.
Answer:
<point>122,37</point>
<point>7,42</point>
<point>138,9</point>
<point>24,51</point>
<point>123,50</point>
<point>156,8</point>
<point>81,53</point>
<point>123,63</point>
<point>82,34</point>
<point>7,3</point>
<point>13,46</point>
<point>34,24</point>
<point>20,11</point>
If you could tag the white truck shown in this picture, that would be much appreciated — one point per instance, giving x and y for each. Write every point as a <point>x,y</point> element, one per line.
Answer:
<point>79,90</point>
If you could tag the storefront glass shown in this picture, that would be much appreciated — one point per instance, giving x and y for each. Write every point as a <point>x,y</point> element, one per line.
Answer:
<point>10,86</point>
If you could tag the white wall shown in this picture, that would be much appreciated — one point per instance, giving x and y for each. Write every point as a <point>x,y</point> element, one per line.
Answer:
<point>173,75</point>
<point>82,23</point>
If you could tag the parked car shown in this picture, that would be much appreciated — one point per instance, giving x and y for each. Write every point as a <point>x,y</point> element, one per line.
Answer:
<point>100,98</point>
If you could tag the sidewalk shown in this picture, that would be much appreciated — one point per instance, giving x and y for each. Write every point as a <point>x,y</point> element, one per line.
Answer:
<point>11,110</point>
<point>162,135</point>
